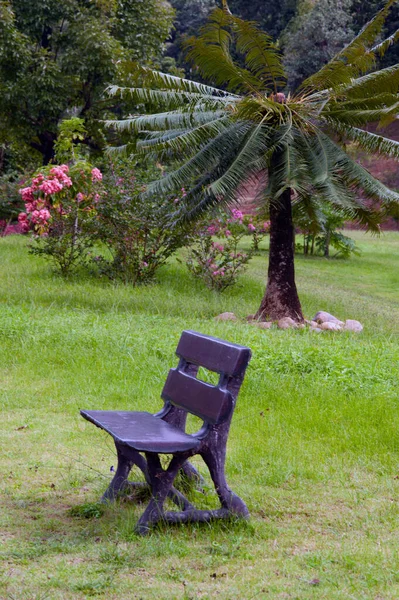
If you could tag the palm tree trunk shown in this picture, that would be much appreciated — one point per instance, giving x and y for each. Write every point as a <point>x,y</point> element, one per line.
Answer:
<point>281,296</point>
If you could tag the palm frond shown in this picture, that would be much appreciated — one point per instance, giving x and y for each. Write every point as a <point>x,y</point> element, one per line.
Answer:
<point>370,142</point>
<point>383,46</point>
<point>354,118</point>
<point>383,81</point>
<point>165,81</point>
<point>170,99</point>
<point>210,53</point>
<point>375,101</point>
<point>163,121</point>
<point>357,177</point>
<point>205,159</point>
<point>261,55</point>
<point>255,146</point>
<point>185,144</point>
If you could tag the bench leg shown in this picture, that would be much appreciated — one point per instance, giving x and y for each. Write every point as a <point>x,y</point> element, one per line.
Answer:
<point>127,458</point>
<point>161,485</point>
<point>228,499</point>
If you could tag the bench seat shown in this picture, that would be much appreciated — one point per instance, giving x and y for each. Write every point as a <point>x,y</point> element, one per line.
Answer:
<point>142,431</point>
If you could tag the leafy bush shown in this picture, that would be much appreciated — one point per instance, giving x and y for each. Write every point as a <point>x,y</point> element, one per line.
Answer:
<point>137,231</point>
<point>10,200</point>
<point>218,263</point>
<point>320,231</point>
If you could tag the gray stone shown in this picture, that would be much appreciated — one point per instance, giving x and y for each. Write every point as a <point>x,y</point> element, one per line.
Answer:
<point>226,316</point>
<point>323,317</point>
<point>286,323</point>
<point>331,326</point>
<point>352,325</point>
<point>262,324</point>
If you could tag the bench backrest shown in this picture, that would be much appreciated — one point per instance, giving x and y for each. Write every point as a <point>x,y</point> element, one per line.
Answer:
<point>212,403</point>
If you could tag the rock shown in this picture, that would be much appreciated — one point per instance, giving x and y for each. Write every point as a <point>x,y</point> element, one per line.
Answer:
<point>286,323</point>
<point>314,324</point>
<point>226,316</point>
<point>323,317</point>
<point>316,329</point>
<point>352,325</point>
<point>331,326</point>
<point>262,324</point>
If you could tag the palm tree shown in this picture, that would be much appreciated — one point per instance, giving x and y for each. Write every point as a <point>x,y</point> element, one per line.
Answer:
<point>224,136</point>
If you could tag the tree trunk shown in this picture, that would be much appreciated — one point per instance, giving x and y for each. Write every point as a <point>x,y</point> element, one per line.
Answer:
<point>281,296</point>
<point>327,244</point>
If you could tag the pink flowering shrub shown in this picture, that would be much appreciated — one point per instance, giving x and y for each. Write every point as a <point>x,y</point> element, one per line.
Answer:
<point>215,256</point>
<point>60,208</point>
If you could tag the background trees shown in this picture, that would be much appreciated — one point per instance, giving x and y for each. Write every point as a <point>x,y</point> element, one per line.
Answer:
<point>314,37</point>
<point>57,57</point>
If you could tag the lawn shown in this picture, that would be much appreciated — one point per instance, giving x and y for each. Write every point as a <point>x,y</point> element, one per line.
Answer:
<point>313,449</point>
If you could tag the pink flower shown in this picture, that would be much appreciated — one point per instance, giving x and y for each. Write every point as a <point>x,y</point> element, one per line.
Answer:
<point>266,226</point>
<point>60,174</point>
<point>79,197</point>
<point>237,214</point>
<point>51,186</point>
<point>24,225</point>
<point>31,206</point>
<point>44,214</point>
<point>227,233</point>
<point>96,174</point>
<point>175,201</point>
<point>35,216</point>
<point>212,229</point>
<point>251,227</point>
<point>218,247</point>
<point>64,168</point>
<point>22,217</point>
<point>27,194</point>
<point>36,181</point>
<point>96,197</point>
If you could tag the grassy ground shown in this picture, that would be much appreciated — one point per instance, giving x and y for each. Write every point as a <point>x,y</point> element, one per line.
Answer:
<point>313,450</point>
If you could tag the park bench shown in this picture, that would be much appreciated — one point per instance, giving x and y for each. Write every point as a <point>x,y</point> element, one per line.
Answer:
<point>141,433</point>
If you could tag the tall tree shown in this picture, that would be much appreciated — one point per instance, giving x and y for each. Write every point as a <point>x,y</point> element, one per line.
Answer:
<point>57,57</point>
<point>225,137</point>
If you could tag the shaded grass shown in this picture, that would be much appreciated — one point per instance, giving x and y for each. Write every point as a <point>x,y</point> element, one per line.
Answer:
<point>313,447</point>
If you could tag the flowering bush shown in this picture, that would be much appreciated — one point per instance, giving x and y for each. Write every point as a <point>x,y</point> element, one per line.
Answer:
<point>137,232</point>
<point>59,210</point>
<point>256,227</point>
<point>218,262</point>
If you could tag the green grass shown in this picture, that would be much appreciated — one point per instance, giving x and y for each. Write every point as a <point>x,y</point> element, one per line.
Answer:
<point>313,449</point>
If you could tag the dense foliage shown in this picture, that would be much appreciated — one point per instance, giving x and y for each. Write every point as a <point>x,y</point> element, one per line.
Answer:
<point>57,57</point>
